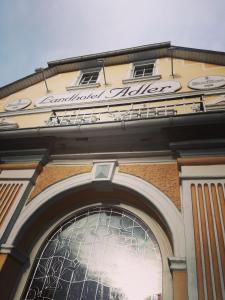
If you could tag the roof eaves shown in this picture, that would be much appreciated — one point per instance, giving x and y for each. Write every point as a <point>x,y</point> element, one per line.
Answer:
<point>200,55</point>
<point>25,82</point>
<point>109,54</point>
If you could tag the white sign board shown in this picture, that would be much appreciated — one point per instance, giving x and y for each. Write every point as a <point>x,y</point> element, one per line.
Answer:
<point>207,82</point>
<point>116,93</point>
<point>17,104</point>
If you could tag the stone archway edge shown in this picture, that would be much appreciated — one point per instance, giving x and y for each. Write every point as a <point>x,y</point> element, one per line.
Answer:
<point>162,203</point>
<point>159,200</point>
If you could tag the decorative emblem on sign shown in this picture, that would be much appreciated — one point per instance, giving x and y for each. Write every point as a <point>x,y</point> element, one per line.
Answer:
<point>116,93</point>
<point>207,82</point>
<point>17,104</point>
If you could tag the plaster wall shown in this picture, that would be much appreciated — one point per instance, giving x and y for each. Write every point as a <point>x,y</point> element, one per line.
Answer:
<point>184,72</point>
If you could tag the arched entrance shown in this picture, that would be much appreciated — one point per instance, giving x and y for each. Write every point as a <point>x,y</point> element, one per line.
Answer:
<point>67,197</point>
<point>155,198</point>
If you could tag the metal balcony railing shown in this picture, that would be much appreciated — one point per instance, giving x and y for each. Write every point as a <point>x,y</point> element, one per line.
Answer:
<point>111,113</point>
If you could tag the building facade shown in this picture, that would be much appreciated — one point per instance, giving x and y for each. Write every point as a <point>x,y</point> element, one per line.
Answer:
<point>112,177</point>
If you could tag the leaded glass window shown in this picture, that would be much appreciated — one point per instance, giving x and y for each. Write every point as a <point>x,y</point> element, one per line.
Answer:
<point>100,254</point>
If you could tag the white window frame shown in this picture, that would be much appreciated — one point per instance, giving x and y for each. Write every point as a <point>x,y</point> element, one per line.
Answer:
<point>153,76</point>
<point>76,83</point>
<point>91,75</point>
<point>144,66</point>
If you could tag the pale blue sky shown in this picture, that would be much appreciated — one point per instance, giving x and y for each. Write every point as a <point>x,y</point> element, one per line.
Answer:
<point>33,32</point>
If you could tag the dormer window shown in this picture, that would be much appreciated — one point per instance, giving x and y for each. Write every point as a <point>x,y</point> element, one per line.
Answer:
<point>89,78</point>
<point>143,70</point>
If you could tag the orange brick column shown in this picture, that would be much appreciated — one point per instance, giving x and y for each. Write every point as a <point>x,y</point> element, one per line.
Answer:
<point>179,274</point>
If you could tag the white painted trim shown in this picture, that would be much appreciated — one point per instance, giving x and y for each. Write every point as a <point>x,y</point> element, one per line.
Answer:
<point>82,87</point>
<point>155,197</point>
<point>41,199</point>
<point>152,155</point>
<point>27,174</point>
<point>89,161</point>
<point>219,255</point>
<point>189,236</point>
<point>162,203</point>
<point>209,244</point>
<point>145,78</point>
<point>177,264</point>
<point>201,241</point>
<point>206,171</point>
<point>15,253</point>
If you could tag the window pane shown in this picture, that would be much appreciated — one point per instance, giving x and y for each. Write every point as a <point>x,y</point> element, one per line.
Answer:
<point>88,78</point>
<point>148,71</point>
<point>102,253</point>
<point>143,70</point>
<point>138,73</point>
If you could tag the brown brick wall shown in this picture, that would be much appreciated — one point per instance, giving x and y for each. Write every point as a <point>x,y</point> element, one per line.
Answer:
<point>165,177</point>
<point>52,174</point>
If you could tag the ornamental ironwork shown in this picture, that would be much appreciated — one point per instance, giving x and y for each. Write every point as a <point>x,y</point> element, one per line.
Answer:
<point>100,254</point>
